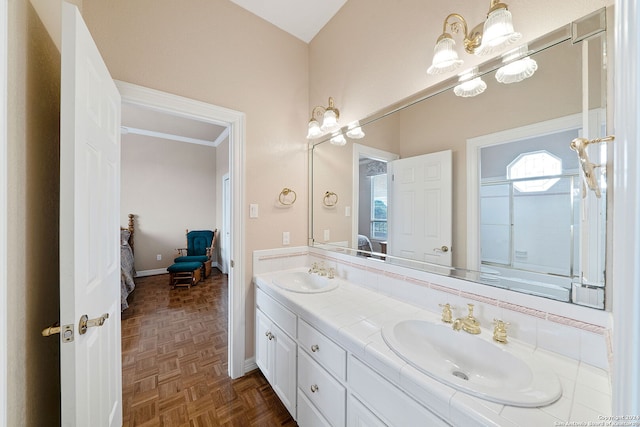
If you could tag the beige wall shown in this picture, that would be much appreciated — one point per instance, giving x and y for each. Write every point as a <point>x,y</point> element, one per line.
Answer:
<point>169,186</point>
<point>374,53</point>
<point>33,201</point>
<point>216,52</point>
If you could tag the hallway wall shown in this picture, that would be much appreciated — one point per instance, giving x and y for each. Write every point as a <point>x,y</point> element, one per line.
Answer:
<point>33,203</point>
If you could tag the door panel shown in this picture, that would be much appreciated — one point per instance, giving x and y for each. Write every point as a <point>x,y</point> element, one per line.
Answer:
<point>91,371</point>
<point>420,225</point>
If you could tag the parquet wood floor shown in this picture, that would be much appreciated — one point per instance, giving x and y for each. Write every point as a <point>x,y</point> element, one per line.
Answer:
<point>174,361</point>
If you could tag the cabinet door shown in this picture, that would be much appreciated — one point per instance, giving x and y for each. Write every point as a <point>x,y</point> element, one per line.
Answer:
<point>360,416</point>
<point>284,369</point>
<point>308,415</point>
<point>264,349</point>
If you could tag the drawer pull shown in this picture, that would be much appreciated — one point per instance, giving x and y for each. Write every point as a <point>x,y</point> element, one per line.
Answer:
<point>315,348</point>
<point>314,388</point>
<point>269,335</point>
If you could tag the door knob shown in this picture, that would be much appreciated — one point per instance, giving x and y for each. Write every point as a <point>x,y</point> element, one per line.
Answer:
<point>442,249</point>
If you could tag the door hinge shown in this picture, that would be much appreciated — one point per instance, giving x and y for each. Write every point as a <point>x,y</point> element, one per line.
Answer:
<point>232,263</point>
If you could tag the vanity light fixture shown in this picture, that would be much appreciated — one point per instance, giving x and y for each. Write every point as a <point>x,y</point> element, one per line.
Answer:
<point>354,131</point>
<point>338,139</point>
<point>516,70</point>
<point>497,32</point>
<point>330,116</point>
<point>469,84</point>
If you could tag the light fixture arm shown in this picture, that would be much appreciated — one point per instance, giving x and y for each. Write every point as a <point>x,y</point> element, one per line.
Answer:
<point>319,110</point>
<point>495,5</point>
<point>459,26</point>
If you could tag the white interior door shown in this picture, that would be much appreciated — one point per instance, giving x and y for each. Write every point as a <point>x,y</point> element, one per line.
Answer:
<point>420,212</point>
<point>91,377</point>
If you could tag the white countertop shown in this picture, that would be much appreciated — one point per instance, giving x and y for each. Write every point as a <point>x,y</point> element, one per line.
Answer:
<point>353,316</point>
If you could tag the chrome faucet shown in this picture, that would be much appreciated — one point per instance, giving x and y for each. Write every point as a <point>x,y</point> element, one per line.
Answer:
<point>468,324</point>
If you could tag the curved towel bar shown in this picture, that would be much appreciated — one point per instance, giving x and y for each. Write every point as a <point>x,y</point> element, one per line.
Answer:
<point>579,145</point>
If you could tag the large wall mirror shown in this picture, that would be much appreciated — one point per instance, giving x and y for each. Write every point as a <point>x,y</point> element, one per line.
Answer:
<point>483,188</point>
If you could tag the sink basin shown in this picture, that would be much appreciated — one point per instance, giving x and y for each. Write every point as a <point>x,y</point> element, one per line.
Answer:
<point>304,282</point>
<point>472,364</point>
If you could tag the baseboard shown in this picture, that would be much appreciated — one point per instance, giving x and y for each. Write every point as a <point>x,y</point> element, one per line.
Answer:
<point>250,365</point>
<point>155,272</point>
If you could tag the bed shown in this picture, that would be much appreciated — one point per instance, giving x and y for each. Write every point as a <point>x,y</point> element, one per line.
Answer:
<point>127,268</point>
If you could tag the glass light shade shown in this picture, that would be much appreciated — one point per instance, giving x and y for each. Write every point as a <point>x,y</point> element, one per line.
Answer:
<point>470,88</point>
<point>516,71</point>
<point>355,131</point>
<point>498,32</point>
<point>314,130</point>
<point>445,57</point>
<point>338,139</point>
<point>330,121</point>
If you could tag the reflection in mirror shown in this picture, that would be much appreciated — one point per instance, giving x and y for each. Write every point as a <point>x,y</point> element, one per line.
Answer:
<point>498,227</point>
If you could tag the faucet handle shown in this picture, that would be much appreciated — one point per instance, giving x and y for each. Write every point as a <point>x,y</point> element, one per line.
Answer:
<point>331,273</point>
<point>447,316</point>
<point>500,331</point>
<point>314,268</point>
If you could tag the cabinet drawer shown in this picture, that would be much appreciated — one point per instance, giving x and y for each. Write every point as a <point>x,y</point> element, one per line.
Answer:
<point>308,415</point>
<point>285,319</point>
<point>324,351</point>
<point>391,403</point>
<point>326,394</point>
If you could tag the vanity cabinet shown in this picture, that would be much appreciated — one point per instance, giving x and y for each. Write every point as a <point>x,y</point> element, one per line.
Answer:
<point>394,406</point>
<point>323,391</point>
<point>320,383</point>
<point>276,351</point>
<point>360,415</point>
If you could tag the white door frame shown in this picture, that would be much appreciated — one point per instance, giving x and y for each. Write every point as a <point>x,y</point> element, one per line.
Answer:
<point>226,221</point>
<point>3,212</point>
<point>235,120</point>
<point>626,227</point>
<point>358,151</point>
<point>474,146</point>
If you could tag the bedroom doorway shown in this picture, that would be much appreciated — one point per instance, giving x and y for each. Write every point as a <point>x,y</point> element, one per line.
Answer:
<point>233,122</point>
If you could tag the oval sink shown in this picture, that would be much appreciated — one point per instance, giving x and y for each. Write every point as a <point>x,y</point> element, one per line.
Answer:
<point>472,364</point>
<point>304,282</point>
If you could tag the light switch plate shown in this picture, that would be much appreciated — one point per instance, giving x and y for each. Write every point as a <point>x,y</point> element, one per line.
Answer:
<point>286,238</point>
<point>253,210</point>
<point>326,235</point>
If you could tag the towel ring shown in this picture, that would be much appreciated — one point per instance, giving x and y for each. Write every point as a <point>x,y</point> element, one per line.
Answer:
<point>285,199</point>
<point>330,199</point>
